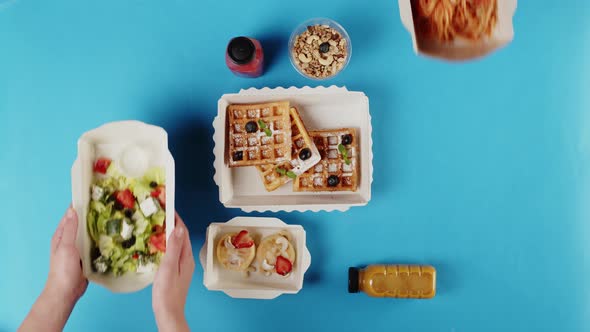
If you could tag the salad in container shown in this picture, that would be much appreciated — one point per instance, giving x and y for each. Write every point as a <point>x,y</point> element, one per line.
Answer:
<point>123,193</point>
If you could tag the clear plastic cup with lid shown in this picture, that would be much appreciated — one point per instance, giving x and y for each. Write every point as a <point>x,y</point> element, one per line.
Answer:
<point>319,48</point>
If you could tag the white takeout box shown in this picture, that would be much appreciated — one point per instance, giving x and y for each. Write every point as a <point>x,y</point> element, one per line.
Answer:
<point>256,285</point>
<point>140,146</point>
<point>320,108</point>
<point>462,50</point>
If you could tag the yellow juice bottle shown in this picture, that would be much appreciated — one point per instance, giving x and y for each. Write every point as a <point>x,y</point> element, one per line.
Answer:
<point>398,281</point>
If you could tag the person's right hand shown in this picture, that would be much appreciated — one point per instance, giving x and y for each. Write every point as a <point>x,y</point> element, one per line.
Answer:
<point>172,281</point>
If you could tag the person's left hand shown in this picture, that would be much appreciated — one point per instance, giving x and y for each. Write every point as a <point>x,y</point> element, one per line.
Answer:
<point>65,271</point>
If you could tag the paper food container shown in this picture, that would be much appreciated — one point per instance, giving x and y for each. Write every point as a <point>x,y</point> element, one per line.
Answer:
<point>134,146</point>
<point>320,108</point>
<point>255,285</point>
<point>466,36</point>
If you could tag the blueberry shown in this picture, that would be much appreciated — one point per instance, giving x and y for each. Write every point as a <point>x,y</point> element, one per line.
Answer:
<point>333,181</point>
<point>251,127</point>
<point>128,213</point>
<point>153,184</point>
<point>305,154</point>
<point>238,155</point>
<point>346,139</point>
<point>325,47</point>
<point>118,206</point>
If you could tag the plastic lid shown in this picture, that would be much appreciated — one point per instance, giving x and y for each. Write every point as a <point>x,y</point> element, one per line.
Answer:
<point>353,280</point>
<point>241,50</point>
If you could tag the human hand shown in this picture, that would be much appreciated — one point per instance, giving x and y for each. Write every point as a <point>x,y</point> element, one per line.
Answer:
<point>65,271</point>
<point>65,282</point>
<point>172,281</point>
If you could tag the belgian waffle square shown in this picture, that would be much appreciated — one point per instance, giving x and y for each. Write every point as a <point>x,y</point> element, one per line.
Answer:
<point>258,134</point>
<point>304,155</point>
<point>338,168</point>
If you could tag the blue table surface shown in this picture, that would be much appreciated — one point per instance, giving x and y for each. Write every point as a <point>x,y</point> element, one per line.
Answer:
<point>481,169</point>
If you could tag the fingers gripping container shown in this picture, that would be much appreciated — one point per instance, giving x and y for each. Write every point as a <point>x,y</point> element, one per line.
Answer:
<point>134,146</point>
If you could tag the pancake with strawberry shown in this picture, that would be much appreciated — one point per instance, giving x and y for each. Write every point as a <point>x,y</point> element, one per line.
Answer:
<point>276,254</point>
<point>236,251</point>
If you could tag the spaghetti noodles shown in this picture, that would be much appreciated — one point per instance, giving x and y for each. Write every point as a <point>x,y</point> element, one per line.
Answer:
<point>447,19</point>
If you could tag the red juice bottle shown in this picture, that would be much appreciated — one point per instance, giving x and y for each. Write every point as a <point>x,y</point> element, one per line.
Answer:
<point>245,57</point>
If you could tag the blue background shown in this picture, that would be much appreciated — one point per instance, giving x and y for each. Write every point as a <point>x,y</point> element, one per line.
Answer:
<point>481,169</point>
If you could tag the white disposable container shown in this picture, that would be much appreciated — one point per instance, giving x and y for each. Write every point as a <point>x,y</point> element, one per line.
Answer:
<point>256,285</point>
<point>320,108</point>
<point>458,49</point>
<point>134,146</point>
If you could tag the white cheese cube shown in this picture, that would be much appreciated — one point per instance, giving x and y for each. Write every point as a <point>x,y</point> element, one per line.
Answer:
<point>146,268</point>
<point>148,206</point>
<point>126,231</point>
<point>97,193</point>
<point>100,265</point>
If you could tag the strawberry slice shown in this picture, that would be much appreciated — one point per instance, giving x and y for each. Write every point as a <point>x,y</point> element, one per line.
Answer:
<point>242,240</point>
<point>125,198</point>
<point>283,266</point>
<point>101,165</point>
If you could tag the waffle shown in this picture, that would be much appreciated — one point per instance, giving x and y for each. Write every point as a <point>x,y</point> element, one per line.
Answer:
<point>271,177</point>
<point>333,163</point>
<point>262,146</point>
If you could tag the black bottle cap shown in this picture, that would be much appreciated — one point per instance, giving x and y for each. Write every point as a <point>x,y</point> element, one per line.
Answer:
<point>241,50</point>
<point>353,280</point>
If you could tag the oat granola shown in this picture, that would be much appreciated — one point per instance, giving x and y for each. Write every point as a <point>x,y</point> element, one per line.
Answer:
<point>320,51</point>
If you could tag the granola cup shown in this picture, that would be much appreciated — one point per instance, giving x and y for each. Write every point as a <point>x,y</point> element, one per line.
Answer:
<point>319,48</point>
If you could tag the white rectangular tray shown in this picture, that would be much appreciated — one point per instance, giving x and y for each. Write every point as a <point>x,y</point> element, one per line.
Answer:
<point>112,140</point>
<point>256,285</point>
<point>320,108</point>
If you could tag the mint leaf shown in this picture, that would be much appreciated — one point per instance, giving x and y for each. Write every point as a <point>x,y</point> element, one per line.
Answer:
<point>264,127</point>
<point>344,153</point>
<point>291,175</point>
<point>281,171</point>
<point>342,150</point>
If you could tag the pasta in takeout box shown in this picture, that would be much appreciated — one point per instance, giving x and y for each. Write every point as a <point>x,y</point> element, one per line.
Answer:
<point>458,29</point>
